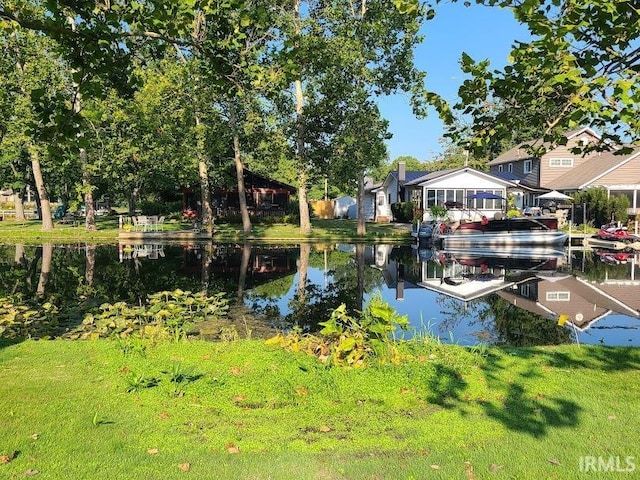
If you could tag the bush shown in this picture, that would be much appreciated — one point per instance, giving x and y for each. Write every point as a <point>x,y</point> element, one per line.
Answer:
<point>159,208</point>
<point>600,208</point>
<point>403,211</point>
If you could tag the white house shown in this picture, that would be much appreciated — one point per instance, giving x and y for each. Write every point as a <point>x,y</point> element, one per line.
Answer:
<point>394,188</point>
<point>457,185</point>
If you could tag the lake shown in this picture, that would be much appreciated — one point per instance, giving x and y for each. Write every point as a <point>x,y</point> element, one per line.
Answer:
<point>533,297</point>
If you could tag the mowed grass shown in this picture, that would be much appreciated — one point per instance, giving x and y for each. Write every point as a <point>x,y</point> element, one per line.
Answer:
<point>30,231</point>
<point>123,410</point>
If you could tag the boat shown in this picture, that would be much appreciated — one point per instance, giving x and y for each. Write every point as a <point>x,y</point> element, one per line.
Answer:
<point>501,232</point>
<point>614,237</point>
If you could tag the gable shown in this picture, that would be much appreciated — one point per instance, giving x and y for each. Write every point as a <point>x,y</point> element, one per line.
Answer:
<point>466,178</point>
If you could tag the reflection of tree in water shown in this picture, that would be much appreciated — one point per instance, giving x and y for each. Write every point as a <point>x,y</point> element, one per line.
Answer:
<point>453,311</point>
<point>518,327</point>
<point>319,301</point>
<point>76,279</point>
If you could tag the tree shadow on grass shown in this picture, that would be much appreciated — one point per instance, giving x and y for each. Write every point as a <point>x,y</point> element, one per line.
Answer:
<point>592,357</point>
<point>534,416</point>
<point>445,386</point>
<point>525,411</point>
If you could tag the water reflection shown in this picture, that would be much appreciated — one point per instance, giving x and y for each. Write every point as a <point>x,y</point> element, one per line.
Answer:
<point>514,298</point>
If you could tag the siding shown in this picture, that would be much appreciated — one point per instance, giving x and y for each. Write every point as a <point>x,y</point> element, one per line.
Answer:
<point>549,174</point>
<point>627,174</point>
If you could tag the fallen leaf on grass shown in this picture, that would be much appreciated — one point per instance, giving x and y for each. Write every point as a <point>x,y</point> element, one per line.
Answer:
<point>231,448</point>
<point>164,415</point>
<point>435,467</point>
<point>31,472</point>
<point>494,468</point>
<point>611,417</point>
<point>6,458</point>
<point>302,390</point>
<point>553,461</point>
<point>206,357</point>
<point>236,371</point>
<point>468,471</point>
<point>185,467</point>
<point>35,436</point>
<point>239,398</point>
<point>325,428</point>
<point>152,451</point>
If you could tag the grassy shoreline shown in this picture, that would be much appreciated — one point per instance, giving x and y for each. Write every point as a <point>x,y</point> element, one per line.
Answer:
<point>31,231</point>
<point>116,409</point>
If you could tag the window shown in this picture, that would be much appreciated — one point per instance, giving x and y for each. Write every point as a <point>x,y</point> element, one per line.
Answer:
<point>528,166</point>
<point>510,167</point>
<point>558,296</point>
<point>561,162</point>
<point>439,196</point>
<point>381,198</point>
<point>500,168</point>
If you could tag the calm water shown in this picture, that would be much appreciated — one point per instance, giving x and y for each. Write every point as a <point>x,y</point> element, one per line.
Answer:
<point>513,298</point>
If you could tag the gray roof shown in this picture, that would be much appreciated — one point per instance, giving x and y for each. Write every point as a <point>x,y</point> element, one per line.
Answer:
<point>432,175</point>
<point>519,152</point>
<point>590,170</point>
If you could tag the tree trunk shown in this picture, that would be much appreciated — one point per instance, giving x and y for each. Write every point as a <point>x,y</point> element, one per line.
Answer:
<point>47,255</point>
<point>360,265</point>
<point>305,221</point>
<point>303,268</point>
<point>89,272</point>
<point>19,256</point>
<point>207,258</point>
<point>237,160</point>
<point>90,213</point>
<point>206,211</point>
<point>133,200</point>
<point>18,201</point>
<point>242,279</point>
<point>43,196</point>
<point>362,228</point>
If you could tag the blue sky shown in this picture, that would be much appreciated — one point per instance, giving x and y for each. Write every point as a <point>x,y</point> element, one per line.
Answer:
<point>482,32</point>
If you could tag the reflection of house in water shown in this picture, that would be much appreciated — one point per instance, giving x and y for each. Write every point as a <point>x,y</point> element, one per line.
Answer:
<point>584,302</point>
<point>264,262</point>
<point>396,265</point>
<point>467,276</point>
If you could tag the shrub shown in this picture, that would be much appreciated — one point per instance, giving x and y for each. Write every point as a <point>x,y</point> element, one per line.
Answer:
<point>348,341</point>
<point>403,211</point>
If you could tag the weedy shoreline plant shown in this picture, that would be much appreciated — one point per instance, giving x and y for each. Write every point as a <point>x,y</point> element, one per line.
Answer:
<point>166,315</point>
<point>348,341</point>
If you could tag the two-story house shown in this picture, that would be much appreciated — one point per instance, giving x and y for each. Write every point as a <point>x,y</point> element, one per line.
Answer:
<point>561,169</point>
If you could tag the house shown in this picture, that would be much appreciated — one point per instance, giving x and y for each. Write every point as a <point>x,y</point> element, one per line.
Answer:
<point>264,195</point>
<point>561,169</point>
<point>394,188</point>
<point>457,185</point>
<point>582,301</point>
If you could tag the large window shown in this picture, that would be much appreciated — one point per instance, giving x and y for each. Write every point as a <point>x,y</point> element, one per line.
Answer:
<point>561,162</point>
<point>440,195</point>
<point>483,203</point>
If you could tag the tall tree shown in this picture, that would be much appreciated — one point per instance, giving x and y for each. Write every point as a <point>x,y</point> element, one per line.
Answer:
<point>579,69</point>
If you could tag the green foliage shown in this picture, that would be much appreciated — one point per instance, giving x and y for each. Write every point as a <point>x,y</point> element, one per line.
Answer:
<point>165,315</point>
<point>601,208</point>
<point>438,212</point>
<point>403,211</point>
<point>579,69</point>
<point>348,341</point>
<point>23,320</point>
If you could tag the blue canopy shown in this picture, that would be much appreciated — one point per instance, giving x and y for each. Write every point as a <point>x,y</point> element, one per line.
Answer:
<point>486,196</point>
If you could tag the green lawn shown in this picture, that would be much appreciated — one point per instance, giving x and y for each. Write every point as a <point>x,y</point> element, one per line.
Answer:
<point>124,410</point>
<point>31,231</point>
